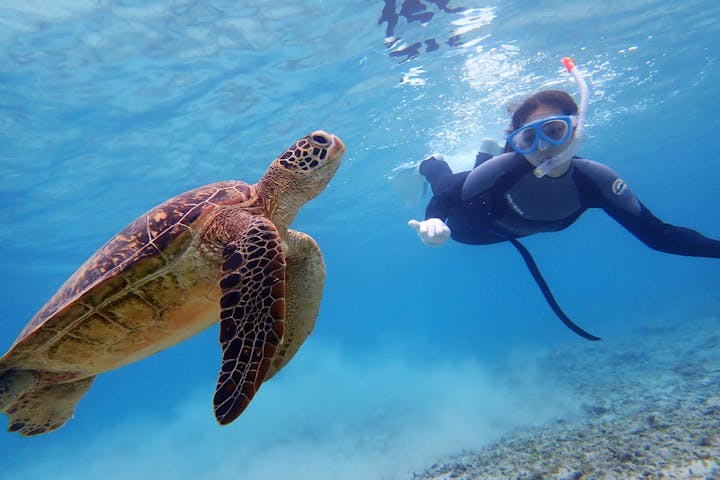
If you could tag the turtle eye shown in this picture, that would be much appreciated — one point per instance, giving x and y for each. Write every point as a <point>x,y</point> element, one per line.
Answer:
<point>320,138</point>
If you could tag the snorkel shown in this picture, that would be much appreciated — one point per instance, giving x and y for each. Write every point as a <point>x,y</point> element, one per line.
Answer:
<point>569,152</point>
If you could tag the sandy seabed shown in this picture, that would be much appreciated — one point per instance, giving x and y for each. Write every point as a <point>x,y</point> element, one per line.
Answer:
<point>651,410</point>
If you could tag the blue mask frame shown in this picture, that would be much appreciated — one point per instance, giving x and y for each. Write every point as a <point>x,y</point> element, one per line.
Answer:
<point>542,129</point>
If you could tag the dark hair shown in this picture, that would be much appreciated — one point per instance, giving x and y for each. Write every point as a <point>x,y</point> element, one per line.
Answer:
<point>550,98</point>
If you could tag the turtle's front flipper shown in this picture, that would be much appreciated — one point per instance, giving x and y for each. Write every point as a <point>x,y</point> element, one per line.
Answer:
<point>305,278</point>
<point>252,309</point>
<point>43,409</point>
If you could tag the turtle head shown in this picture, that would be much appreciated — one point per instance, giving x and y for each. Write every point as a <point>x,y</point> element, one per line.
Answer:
<point>310,163</point>
<point>300,174</point>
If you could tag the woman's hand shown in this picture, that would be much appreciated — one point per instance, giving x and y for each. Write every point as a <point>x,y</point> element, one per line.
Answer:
<point>433,231</point>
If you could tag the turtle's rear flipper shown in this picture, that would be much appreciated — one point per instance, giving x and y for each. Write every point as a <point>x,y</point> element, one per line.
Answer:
<point>14,384</point>
<point>44,409</point>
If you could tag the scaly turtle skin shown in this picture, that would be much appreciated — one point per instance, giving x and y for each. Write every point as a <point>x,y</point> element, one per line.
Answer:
<point>220,252</point>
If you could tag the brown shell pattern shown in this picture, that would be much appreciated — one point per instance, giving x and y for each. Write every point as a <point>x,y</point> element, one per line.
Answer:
<point>162,233</point>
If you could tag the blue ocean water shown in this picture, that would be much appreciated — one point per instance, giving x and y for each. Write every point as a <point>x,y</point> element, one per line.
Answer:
<point>108,108</point>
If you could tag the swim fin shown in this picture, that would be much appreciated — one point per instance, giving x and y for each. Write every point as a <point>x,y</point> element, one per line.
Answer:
<point>408,183</point>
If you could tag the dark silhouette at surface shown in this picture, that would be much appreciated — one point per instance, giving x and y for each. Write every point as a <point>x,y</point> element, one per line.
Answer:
<point>414,11</point>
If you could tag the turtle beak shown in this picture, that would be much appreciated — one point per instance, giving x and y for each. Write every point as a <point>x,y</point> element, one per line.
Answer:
<point>335,152</point>
<point>338,144</point>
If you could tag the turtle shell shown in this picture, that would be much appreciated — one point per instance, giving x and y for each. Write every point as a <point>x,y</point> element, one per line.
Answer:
<point>148,246</point>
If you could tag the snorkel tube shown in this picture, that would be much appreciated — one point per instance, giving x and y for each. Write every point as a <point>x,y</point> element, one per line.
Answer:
<point>579,135</point>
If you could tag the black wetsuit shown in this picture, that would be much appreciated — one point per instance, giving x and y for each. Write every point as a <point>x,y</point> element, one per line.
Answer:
<point>501,199</point>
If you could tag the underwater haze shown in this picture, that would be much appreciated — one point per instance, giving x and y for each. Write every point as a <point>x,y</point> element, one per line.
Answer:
<point>108,108</point>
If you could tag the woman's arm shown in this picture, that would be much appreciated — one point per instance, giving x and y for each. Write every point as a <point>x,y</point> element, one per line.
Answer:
<point>446,187</point>
<point>664,237</point>
<point>612,195</point>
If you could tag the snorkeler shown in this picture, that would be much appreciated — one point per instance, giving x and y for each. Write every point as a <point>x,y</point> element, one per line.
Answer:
<point>539,185</point>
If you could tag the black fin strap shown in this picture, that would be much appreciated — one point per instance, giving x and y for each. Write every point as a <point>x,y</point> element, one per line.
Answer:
<point>532,266</point>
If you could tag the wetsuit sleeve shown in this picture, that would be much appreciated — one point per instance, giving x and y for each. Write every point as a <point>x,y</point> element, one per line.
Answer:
<point>664,237</point>
<point>617,200</point>
<point>482,157</point>
<point>446,187</point>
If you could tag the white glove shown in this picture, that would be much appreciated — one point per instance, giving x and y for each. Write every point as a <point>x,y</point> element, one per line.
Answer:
<point>433,231</point>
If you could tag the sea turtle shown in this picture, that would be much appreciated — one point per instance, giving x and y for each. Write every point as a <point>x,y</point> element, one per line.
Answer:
<point>220,252</point>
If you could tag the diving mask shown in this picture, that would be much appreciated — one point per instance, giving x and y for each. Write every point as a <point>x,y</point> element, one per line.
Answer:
<point>539,134</point>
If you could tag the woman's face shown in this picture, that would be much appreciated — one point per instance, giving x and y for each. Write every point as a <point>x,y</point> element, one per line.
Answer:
<point>537,157</point>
